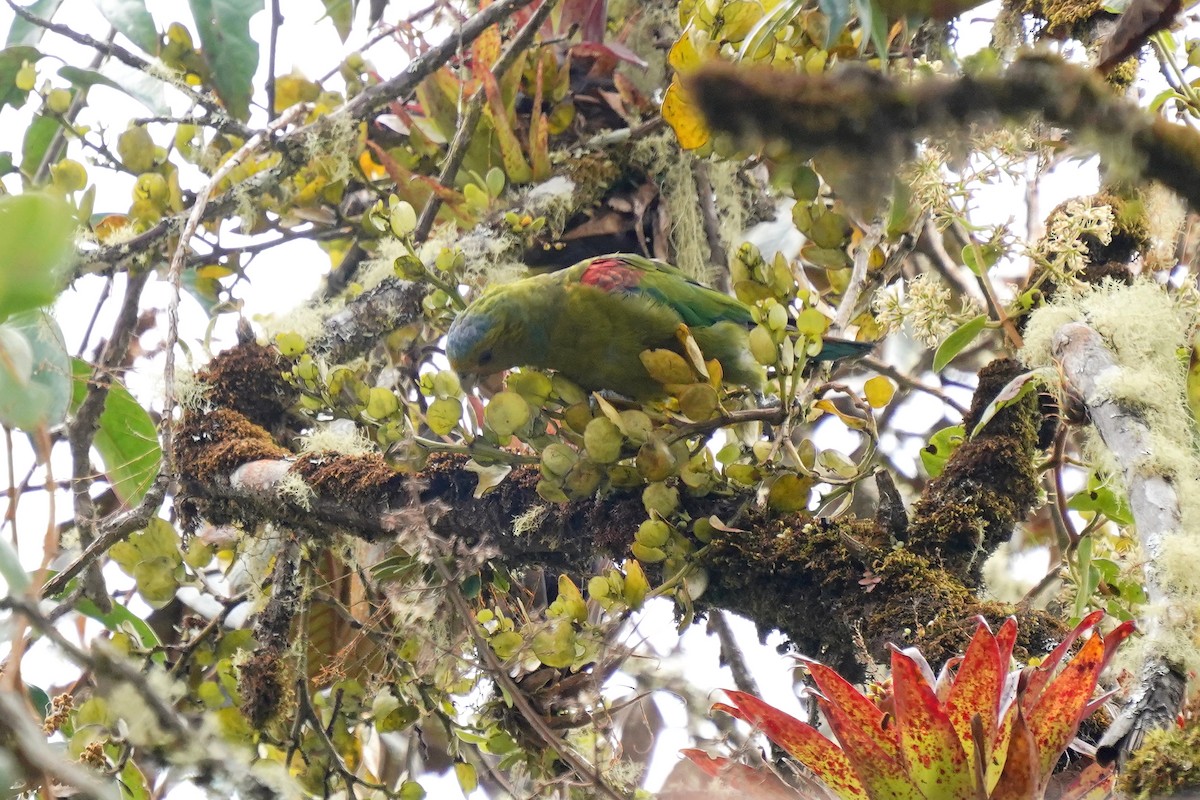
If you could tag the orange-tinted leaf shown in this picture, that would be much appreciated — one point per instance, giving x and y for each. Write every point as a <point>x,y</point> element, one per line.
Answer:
<point>539,131</point>
<point>416,188</point>
<point>485,50</point>
<point>802,741</point>
<point>976,690</point>
<point>515,165</point>
<point>880,774</point>
<point>1093,783</point>
<point>1020,778</point>
<point>937,761</point>
<point>1057,713</point>
<point>754,784</point>
<point>853,707</point>
<point>1041,676</point>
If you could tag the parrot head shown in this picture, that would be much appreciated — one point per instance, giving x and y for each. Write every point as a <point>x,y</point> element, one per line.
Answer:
<point>486,337</point>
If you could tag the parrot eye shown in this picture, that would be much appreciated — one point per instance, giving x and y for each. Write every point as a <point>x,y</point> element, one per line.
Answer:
<point>485,357</point>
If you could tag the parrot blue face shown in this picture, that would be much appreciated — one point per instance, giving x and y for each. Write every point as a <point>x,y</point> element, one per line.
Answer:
<point>467,343</point>
<point>488,336</point>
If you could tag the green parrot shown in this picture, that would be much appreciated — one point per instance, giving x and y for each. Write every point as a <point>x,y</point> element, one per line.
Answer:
<point>592,321</point>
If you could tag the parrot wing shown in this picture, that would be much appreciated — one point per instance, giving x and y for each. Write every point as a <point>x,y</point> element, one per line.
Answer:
<point>698,306</point>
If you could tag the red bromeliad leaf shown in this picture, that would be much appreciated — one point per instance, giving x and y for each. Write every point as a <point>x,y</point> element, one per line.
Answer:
<point>1039,677</point>
<point>804,742</point>
<point>1020,779</point>
<point>854,707</point>
<point>1113,640</point>
<point>1095,782</point>
<point>882,775</point>
<point>995,765</point>
<point>1055,717</point>
<point>945,679</point>
<point>748,782</point>
<point>977,690</point>
<point>937,761</point>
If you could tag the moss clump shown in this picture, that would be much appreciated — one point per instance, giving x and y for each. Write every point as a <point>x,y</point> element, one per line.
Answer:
<point>1167,764</point>
<point>988,485</point>
<point>1062,17</point>
<point>248,379</point>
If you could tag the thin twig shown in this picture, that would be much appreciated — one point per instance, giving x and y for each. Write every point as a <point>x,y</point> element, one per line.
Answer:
<point>717,257</point>
<point>743,679</point>
<point>272,42</point>
<point>384,93</point>
<point>59,140</point>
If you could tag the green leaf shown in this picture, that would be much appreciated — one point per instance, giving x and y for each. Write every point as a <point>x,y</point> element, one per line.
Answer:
<point>980,257</point>
<point>11,570</point>
<point>24,32</point>
<point>87,78</point>
<point>39,699</point>
<point>957,342</point>
<point>941,446</point>
<point>228,48</point>
<point>127,439</point>
<point>35,245</point>
<point>11,61</point>
<point>341,13</point>
<point>37,139</point>
<point>121,618</point>
<point>131,19</point>
<point>1012,392</point>
<point>1102,498</point>
<point>44,397</point>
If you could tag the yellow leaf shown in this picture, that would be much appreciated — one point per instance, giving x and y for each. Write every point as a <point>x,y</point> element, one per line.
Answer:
<point>667,366</point>
<point>812,322</point>
<point>684,118</point>
<point>879,391</point>
<point>683,55</point>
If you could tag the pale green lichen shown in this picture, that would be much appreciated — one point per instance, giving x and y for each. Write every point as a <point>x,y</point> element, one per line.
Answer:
<point>529,520</point>
<point>1147,329</point>
<point>291,488</point>
<point>190,392</point>
<point>307,320</point>
<point>345,439</point>
<point>1165,213</point>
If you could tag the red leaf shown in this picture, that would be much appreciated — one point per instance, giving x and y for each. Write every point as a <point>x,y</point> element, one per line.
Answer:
<point>804,742</point>
<point>1006,638</point>
<point>750,783</point>
<point>937,761</point>
<point>977,689</point>
<point>853,707</point>
<point>1020,778</point>
<point>1055,717</point>
<point>880,774</point>
<point>1041,675</point>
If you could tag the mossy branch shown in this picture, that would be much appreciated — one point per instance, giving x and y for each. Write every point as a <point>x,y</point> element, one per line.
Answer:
<point>878,119</point>
<point>830,585</point>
